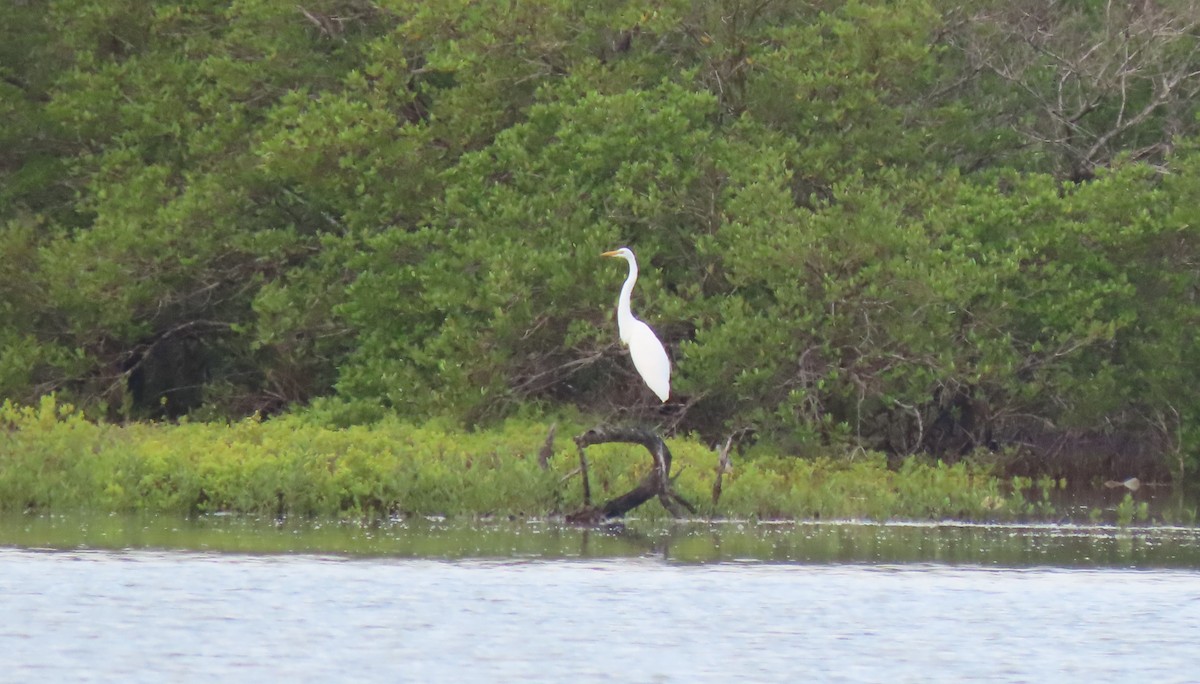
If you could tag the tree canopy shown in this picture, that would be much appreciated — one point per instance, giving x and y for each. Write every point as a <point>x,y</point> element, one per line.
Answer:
<point>920,226</point>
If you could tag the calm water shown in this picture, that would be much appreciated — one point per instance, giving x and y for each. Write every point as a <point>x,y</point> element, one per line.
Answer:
<point>128,600</point>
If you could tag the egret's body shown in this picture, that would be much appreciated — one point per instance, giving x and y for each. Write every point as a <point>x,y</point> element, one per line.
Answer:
<point>649,356</point>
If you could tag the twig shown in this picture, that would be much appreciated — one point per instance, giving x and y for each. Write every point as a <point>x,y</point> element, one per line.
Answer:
<point>722,468</point>
<point>583,471</point>
<point>547,449</point>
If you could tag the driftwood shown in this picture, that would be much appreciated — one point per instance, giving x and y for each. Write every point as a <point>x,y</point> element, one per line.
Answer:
<point>656,483</point>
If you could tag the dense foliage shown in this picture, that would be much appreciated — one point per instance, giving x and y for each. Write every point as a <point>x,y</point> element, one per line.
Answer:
<point>915,226</point>
<point>60,462</point>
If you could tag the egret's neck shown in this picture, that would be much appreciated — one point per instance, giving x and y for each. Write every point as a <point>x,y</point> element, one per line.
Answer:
<point>624,315</point>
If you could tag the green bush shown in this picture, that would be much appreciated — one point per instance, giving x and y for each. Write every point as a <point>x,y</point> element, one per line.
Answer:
<point>52,459</point>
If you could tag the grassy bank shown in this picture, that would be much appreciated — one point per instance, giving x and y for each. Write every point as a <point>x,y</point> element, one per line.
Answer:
<point>53,459</point>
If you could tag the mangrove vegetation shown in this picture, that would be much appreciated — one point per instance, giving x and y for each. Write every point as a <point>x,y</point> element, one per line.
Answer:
<point>327,257</point>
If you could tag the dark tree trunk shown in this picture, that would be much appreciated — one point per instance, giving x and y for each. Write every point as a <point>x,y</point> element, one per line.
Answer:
<point>656,483</point>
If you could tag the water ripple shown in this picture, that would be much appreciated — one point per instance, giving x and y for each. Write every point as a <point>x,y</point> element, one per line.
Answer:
<point>138,615</point>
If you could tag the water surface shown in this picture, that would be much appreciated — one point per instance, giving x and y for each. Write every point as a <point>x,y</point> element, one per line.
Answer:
<point>131,600</point>
<point>1059,545</point>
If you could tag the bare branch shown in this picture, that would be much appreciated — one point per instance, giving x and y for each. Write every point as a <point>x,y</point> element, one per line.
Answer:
<point>656,483</point>
<point>1092,79</point>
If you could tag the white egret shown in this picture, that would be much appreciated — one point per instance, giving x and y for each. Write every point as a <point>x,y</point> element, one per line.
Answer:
<point>649,356</point>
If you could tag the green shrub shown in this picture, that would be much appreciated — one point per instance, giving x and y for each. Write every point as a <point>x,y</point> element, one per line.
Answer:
<point>53,459</point>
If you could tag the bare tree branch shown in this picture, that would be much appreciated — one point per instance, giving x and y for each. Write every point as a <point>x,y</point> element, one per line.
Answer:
<point>657,483</point>
<point>1093,79</point>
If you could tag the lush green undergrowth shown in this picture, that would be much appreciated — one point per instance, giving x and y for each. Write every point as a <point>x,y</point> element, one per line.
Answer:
<point>54,459</point>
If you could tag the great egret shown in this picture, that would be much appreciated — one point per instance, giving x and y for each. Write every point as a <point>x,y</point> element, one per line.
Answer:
<point>649,357</point>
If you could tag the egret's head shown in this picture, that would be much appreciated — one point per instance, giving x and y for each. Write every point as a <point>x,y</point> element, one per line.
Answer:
<point>622,253</point>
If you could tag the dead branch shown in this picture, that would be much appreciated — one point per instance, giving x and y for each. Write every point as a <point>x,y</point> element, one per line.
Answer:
<point>722,468</point>
<point>656,483</point>
<point>583,473</point>
<point>1093,80</point>
<point>547,449</point>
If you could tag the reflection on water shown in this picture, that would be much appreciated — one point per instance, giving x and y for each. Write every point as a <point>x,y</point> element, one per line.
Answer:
<point>222,599</point>
<point>1123,501</point>
<point>1067,545</point>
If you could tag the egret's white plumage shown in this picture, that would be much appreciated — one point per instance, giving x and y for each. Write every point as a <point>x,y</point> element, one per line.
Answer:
<point>649,356</point>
